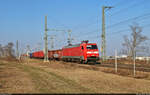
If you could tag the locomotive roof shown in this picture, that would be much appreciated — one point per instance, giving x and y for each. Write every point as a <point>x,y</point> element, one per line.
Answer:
<point>76,45</point>
<point>55,50</point>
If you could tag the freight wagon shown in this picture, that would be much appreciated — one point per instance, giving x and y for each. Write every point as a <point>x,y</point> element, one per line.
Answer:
<point>55,54</point>
<point>38,54</point>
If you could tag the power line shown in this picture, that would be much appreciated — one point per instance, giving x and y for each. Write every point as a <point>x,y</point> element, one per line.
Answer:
<point>77,27</point>
<point>119,3</point>
<point>129,29</point>
<point>52,41</point>
<point>122,10</point>
<point>97,31</point>
<point>89,24</point>
<point>58,22</point>
<point>69,37</point>
<point>124,21</point>
<point>86,26</point>
<point>118,32</point>
<point>125,30</point>
<point>120,23</point>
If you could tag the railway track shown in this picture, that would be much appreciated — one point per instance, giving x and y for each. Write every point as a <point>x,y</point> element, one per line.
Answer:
<point>143,68</point>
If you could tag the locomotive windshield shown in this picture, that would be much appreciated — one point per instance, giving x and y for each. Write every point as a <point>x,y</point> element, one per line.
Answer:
<point>91,46</point>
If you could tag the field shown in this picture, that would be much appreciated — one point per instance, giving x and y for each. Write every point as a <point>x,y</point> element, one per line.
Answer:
<point>34,76</point>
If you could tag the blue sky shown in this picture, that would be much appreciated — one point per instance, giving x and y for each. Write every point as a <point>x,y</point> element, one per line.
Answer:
<point>23,20</point>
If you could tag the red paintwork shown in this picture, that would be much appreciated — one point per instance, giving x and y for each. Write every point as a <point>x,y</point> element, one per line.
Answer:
<point>90,50</point>
<point>55,54</point>
<point>38,54</point>
<point>51,54</point>
<point>74,51</point>
<point>77,51</point>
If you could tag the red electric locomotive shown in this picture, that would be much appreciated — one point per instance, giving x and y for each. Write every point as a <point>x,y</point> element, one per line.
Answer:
<point>84,52</point>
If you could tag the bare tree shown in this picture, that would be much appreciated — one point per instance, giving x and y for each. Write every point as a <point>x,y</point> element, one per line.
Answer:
<point>10,49</point>
<point>1,50</point>
<point>123,51</point>
<point>7,50</point>
<point>135,41</point>
<point>147,49</point>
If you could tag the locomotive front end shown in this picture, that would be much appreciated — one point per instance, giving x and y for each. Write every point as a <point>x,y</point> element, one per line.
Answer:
<point>92,52</point>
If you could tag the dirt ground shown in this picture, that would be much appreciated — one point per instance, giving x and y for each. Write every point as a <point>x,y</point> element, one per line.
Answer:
<point>34,76</point>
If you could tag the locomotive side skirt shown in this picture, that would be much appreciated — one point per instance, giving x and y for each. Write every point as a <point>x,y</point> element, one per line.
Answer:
<point>74,57</point>
<point>93,58</point>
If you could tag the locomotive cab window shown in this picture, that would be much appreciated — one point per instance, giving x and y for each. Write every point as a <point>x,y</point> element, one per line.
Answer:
<point>82,47</point>
<point>91,46</point>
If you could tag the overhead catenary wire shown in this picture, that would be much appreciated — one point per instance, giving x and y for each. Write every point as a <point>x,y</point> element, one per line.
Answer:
<point>114,25</point>
<point>117,32</point>
<point>120,23</point>
<point>79,26</point>
<point>129,7</point>
<point>58,22</point>
<point>113,33</point>
<point>127,20</point>
<point>91,23</point>
<point>121,2</point>
<point>85,26</point>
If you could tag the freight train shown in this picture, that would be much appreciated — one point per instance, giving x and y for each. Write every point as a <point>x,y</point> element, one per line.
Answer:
<point>84,52</point>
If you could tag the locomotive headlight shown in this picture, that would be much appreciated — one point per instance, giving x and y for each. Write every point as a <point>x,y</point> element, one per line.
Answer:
<point>95,51</point>
<point>89,52</point>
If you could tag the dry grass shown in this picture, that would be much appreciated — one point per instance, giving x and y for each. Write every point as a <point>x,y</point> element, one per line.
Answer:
<point>127,73</point>
<point>104,83</point>
<point>101,82</point>
<point>8,59</point>
<point>62,77</point>
<point>128,61</point>
<point>14,80</point>
<point>43,82</point>
<point>74,66</point>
